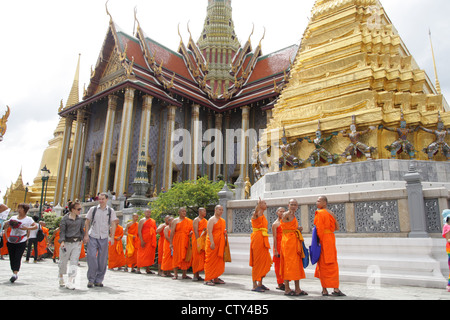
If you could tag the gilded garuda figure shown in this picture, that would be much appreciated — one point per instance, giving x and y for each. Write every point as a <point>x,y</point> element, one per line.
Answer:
<point>401,144</point>
<point>439,145</point>
<point>356,147</point>
<point>259,161</point>
<point>3,121</point>
<point>319,153</point>
<point>286,157</point>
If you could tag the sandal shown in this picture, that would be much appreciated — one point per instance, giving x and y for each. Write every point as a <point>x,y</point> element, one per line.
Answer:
<point>258,289</point>
<point>265,288</point>
<point>338,294</point>
<point>219,281</point>
<point>282,287</point>
<point>186,277</point>
<point>290,293</point>
<point>209,283</point>
<point>301,293</point>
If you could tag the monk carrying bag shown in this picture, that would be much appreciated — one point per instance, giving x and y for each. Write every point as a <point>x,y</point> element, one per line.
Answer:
<point>315,248</point>
<point>40,235</point>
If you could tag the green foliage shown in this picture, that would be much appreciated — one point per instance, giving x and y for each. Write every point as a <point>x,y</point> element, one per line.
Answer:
<point>192,194</point>
<point>51,221</point>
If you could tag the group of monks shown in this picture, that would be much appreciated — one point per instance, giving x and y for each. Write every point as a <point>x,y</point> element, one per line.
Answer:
<point>183,243</point>
<point>288,249</point>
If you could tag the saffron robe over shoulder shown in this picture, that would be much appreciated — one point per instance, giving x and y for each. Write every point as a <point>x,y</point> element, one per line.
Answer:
<point>180,244</point>
<point>260,259</point>
<point>291,265</point>
<point>161,246</point>
<point>214,262</point>
<point>198,247</point>
<point>146,255</point>
<point>116,256</point>
<point>167,261</point>
<point>276,260</point>
<point>327,269</point>
<point>132,241</point>
<point>56,245</point>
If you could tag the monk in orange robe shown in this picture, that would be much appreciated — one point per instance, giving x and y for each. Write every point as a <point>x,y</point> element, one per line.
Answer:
<point>56,245</point>
<point>181,230</point>
<point>327,269</point>
<point>277,234</point>
<point>291,265</point>
<point>4,249</point>
<point>260,259</point>
<point>131,232</point>
<point>160,231</point>
<point>198,244</point>
<point>42,245</point>
<point>116,256</point>
<point>215,247</point>
<point>167,261</point>
<point>147,243</point>
<point>82,252</point>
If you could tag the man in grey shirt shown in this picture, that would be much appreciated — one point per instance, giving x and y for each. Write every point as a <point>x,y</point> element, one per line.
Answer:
<point>97,239</point>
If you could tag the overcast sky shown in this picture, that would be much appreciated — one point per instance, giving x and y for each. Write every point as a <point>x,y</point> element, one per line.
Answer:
<point>41,40</point>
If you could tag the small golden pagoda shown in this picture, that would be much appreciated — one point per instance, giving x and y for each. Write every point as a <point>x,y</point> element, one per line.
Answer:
<point>16,194</point>
<point>353,68</point>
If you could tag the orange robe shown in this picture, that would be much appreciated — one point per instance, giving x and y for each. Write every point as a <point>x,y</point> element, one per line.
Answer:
<point>291,265</point>
<point>146,255</point>
<point>42,246</point>
<point>276,260</point>
<point>327,269</point>
<point>82,253</point>
<point>214,262</point>
<point>4,249</point>
<point>198,247</point>
<point>116,257</point>
<point>56,245</point>
<point>132,242</point>
<point>161,247</point>
<point>260,259</point>
<point>180,244</point>
<point>167,261</point>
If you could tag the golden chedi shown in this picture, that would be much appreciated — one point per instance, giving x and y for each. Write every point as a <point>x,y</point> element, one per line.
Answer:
<point>353,68</point>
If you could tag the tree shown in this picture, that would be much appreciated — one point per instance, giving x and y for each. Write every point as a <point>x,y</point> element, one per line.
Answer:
<point>191,194</point>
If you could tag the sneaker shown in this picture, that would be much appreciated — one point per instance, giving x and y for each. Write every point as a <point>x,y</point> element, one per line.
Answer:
<point>90,285</point>
<point>13,278</point>
<point>61,282</point>
<point>98,285</point>
<point>70,286</point>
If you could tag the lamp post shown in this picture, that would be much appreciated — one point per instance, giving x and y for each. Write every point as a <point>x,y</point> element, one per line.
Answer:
<point>45,173</point>
<point>87,164</point>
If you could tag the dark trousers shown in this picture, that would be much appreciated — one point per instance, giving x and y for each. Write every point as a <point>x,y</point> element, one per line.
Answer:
<point>32,242</point>
<point>15,251</point>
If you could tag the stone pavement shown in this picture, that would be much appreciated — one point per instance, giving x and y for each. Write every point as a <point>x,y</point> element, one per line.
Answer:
<point>39,282</point>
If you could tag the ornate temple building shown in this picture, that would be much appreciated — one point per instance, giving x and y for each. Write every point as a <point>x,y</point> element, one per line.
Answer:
<point>140,92</point>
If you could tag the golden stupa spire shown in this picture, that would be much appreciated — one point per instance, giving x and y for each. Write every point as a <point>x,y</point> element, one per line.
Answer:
<point>438,85</point>
<point>74,92</point>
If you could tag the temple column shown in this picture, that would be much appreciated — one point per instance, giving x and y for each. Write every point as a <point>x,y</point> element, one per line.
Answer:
<point>105,160</point>
<point>195,136</point>
<point>76,158</point>
<point>168,163</point>
<point>63,159</point>
<point>121,174</point>
<point>144,135</point>
<point>226,142</point>
<point>218,147</point>
<point>244,143</point>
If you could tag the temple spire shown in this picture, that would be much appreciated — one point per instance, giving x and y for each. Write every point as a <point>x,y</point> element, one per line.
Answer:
<point>438,85</point>
<point>74,92</point>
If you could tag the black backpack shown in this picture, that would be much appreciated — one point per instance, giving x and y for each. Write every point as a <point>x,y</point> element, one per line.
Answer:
<point>40,234</point>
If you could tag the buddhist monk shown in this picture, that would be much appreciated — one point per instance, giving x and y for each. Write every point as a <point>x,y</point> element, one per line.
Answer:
<point>147,243</point>
<point>160,231</point>
<point>198,244</point>
<point>327,269</point>
<point>4,249</point>
<point>277,234</point>
<point>131,231</point>
<point>116,256</point>
<point>291,265</point>
<point>56,245</point>
<point>260,259</point>
<point>167,261</point>
<point>42,245</point>
<point>215,247</point>
<point>180,233</point>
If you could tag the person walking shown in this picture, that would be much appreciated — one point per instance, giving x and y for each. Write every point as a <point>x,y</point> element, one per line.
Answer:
<point>446,235</point>
<point>71,233</point>
<point>99,220</point>
<point>32,242</point>
<point>20,225</point>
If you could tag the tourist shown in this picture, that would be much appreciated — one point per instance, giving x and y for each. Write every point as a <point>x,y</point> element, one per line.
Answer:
<point>71,234</point>
<point>32,241</point>
<point>146,250</point>
<point>291,264</point>
<point>198,244</point>
<point>260,259</point>
<point>446,235</point>
<point>99,220</point>
<point>180,231</point>
<point>20,225</point>
<point>131,231</point>
<point>4,212</point>
<point>277,234</point>
<point>327,269</point>
<point>215,247</point>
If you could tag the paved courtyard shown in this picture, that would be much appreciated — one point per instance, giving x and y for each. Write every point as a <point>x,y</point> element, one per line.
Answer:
<point>39,282</point>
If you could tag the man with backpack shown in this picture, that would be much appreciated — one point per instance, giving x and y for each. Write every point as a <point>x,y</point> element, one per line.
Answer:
<point>100,223</point>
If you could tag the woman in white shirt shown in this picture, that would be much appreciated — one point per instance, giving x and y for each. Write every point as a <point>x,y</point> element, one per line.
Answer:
<point>17,240</point>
